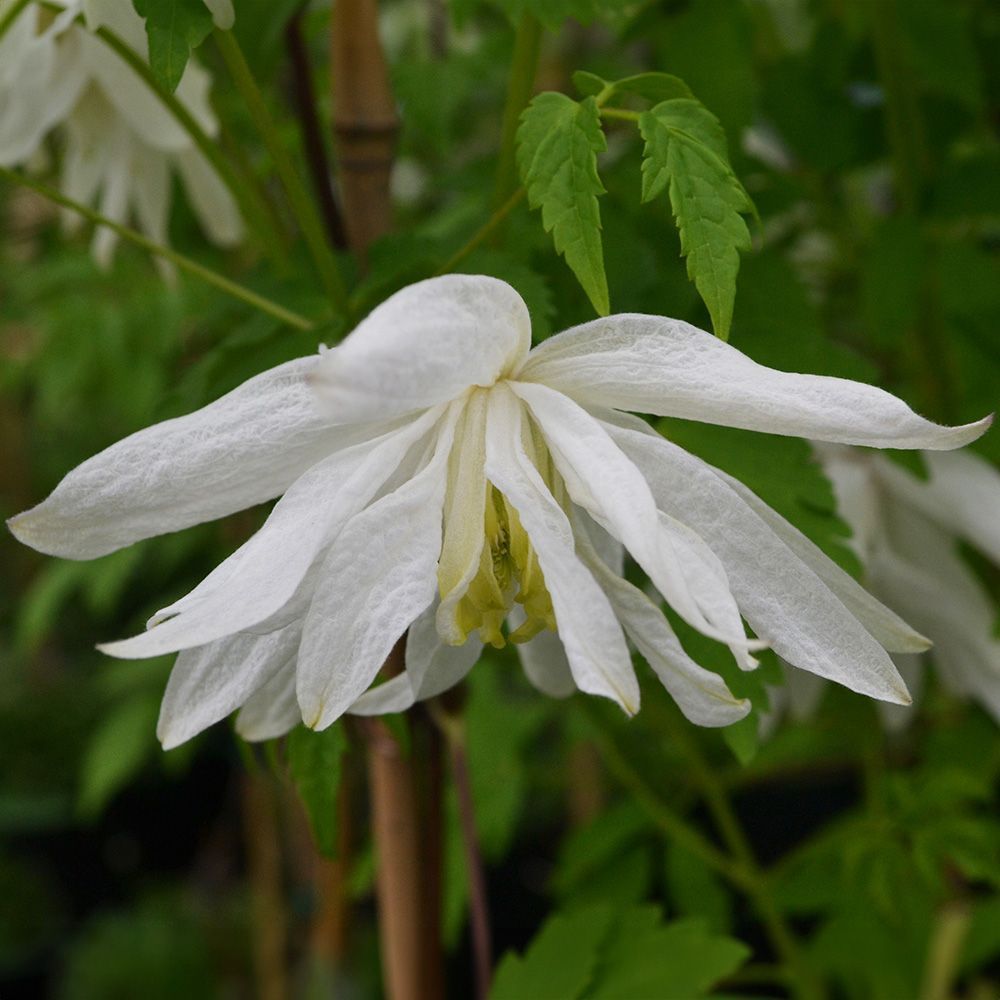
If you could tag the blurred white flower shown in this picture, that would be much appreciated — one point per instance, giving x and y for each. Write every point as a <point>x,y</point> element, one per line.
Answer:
<point>121,144</point>
<point>436,475</point>
<point>906,533</point>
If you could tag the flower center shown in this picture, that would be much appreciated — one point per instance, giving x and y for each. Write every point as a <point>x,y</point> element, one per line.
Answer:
<point>508,572</point>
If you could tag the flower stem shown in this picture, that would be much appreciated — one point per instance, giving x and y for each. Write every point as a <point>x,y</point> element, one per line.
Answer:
<point>756,882</point>
<point>298,197</point>
<point>945,950</point>
<point>523,69</point>
<point>237,291</point>
<point>483,233</point>
<point>12,15</point>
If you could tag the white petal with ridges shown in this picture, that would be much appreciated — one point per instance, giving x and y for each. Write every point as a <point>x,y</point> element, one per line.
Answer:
<point>263,574</point>
<point>543,659</point>
<point>892,633</point>
<point>700,694</point>
<point>211,681</point>
<point>271,711</point>
<point>378,577</point>
<point>651,364</point>
<point>241,450</point>
<point>425,345</point>
<point>784,600</point>
<point>602,480</point>
<point>590,633</point>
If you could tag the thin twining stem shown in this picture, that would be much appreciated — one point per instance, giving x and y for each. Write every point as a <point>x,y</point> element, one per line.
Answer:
<point>180,260</point>
<point>482,234</point>
<point>298,198</point>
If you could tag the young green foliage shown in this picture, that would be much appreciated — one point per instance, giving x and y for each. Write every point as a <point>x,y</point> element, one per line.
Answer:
<point>600,953</point>
<point>315,761</point>
<point>174,29</point>
<point>558,143</point>
<point>686,154</point>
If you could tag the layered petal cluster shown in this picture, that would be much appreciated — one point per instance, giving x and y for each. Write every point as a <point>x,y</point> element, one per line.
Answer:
<point>121,144</point>
<point>439,478</point>
<point>907,532</point>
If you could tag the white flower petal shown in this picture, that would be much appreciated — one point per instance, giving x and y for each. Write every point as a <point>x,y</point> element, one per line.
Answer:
<point>271,711</point>
<point>911,668</point>
<point>241,450</point>
<point>210,198</point>
<point>891,632</point>
<point>208,683</point>
<point>966,654</point>
<point>651,364</point>
<point>543,659</point>
<point>262,575</point>
<point>611,489</point>
<point>378,577</point>
<point>784,600</point>
<point>590,633</point>
<point>962,495</point>
<point>700,694</point>
<point>222,13</point>
<point>465,508</point>
<point>425,345</point>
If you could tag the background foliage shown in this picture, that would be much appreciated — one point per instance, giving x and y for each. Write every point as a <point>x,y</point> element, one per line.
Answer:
<point>853,175</point>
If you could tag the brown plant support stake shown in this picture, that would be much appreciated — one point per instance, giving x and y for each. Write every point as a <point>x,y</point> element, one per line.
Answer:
<point>263,847</point>
<point>364,120</point>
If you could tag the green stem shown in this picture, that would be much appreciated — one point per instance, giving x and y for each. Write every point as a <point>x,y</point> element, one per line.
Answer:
<point>659,812</point>
<point>757,885</point>
<point>12,15</point>
<point>945,952</point>
<point>298,197</point>
<point>621,114</point>
<point>482,234</point>
<point>178,259</point>
<point>523,69</point>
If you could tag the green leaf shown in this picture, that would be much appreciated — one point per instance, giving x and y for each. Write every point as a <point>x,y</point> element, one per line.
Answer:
<point>686,149</point>
<point>558,143</point>
<point>643,957</point>
<point>315,761</point>
<point>117,751</point>
<point>559,962</point>
<point>174,28</point>
<point>601,953</point>
<point>695,890</point>
<point>655,87</point>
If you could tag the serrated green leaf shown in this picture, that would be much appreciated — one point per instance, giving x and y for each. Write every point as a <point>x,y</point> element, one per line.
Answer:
<point>559,962</point>
<point>174,28</point>
<point>558,143</point>
<point>655,87</point>
<point>315,761</point>
<point>686,150</point>
<point>588,84</point>
<point>643,957</point>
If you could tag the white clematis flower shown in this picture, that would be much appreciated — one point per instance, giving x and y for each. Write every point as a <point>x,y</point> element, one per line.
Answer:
<point>121,144</point>
<point>906,533</point>
<point>438,475</point>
